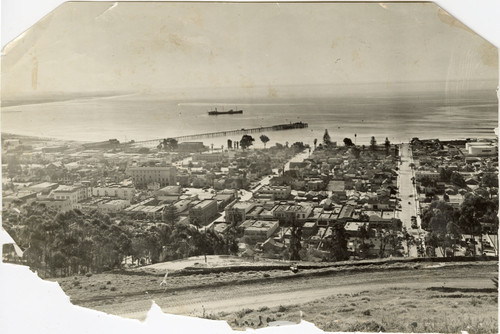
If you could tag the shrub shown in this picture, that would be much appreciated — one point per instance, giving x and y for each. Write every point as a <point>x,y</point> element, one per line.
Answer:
<point>113,288</point>
<point>243,312</point>
<point>88,274</point>
<point>349,309</point>
<point>282,308</point>
<point>370,326</point>
<point>475,302</point>
<point>263,308</point>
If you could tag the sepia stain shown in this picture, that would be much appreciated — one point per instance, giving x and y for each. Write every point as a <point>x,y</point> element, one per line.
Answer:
<point>356,59</point>
<point>272,92</point>
<point>175,40</point>
<point>489,54</point>
<point>451,21</point>
<point>196,18</point>
<point>355,55</point>
<point>158,43</point>
<point>34,74</point>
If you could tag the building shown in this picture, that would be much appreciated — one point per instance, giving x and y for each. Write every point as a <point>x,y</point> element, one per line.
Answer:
<point>291,213</point>
<point>191,147</point>
<point>54,149</point>
<point>210,157</point>
<point>150,207</point>
<point>74,194</point>
<point>44,187</point>
<point>182,206</point>
<point>483,150</point>
<point>60,205</point>
<point>163,175</point>
<point>19,197</point>
<point>114,205</point>
<point>237,212</point>
<point>260,231</point>
<point>169,193</point>
<point>336,187</point>
<point>114,190</point>
<point>470,144</point>
<point>203,212</point>
<point>277,192</point>
<point>224,199</point>
<point>11,143</point>
<point>431,175</point>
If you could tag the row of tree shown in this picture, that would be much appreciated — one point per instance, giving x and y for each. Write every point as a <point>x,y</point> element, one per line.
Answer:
<point>446,224</point>
<point>61,244</point>
<point>171,144</point>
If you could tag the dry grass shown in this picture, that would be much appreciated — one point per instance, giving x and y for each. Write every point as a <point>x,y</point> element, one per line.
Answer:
<point>387,310</point>
<point>392,309</point>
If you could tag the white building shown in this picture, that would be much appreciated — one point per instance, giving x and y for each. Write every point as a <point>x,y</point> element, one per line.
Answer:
<point>483,150</point>
<point>114,205</point>
<point>163,175</point>
<point>114,190</point>
<point>278,192</point>
<point>74,194</point>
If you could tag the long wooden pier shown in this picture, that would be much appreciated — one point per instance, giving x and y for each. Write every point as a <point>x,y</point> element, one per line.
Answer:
<point>279,127</point>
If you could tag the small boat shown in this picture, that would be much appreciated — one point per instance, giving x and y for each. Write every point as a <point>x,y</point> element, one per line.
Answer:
<point>229,112</point>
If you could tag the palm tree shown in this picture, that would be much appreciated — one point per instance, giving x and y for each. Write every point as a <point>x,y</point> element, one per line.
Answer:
<point>373,143</point>
<point>326,138</point>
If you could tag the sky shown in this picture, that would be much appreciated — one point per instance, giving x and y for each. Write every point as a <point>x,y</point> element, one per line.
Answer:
<point>263,47</point>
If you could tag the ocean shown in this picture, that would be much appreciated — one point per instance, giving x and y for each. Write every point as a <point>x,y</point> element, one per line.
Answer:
<point>397,116</point>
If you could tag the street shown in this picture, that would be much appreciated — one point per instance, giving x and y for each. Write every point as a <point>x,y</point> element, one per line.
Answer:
<point>408,195</point>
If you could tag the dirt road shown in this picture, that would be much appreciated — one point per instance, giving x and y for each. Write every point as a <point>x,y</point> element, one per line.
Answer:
<point>212,300</point>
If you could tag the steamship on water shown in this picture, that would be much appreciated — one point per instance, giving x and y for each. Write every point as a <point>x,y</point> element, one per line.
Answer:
<point>229,112</point>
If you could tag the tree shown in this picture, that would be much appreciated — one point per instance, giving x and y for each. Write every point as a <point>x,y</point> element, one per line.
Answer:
<point>326,139</point>
<point>392,239</point>
<point>453,235</point>
<point>474,210</point>
<point>437,215</point>
<point>246,141</point>
<point>489,180</point>
<point>229,144</point>
<point>295,242</point>
<point>364,235</point>
<point>315,142</point>
<point>13,166</point>
<point>426,181</point>
<point>298,147</point>
<point>373,144</point>
<point>169,144</point>
<point>348,142</point>
<point>264,139</point>
<point>356,153</point>
<point>458,180</point>
<point>445,174</point>
<point>295,235</point>
<point>338,245</point>
<point>170,214</point>
<point>387,145</point>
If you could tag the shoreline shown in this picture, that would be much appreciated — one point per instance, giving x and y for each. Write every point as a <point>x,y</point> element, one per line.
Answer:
<point>10,135</point>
